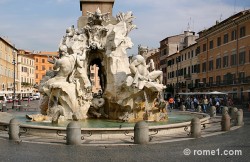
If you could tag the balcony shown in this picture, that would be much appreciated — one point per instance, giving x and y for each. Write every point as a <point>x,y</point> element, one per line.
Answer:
<point>238,81</point>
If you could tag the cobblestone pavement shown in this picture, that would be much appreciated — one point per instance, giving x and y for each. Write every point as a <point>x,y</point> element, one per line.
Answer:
<point>230,146</point>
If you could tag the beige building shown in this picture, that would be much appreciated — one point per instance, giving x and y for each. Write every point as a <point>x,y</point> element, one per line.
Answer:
<point>8,55</point>
<point>182,68</point>
<point>26,71</point>
<point>220,60</point>
<point>224,53</point>
<point>171,45</point>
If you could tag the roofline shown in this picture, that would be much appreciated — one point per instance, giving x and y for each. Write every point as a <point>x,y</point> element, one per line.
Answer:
<point>8,43</point>
<point>43,54</point>
<point>234,17</point>
<point>171,37</point>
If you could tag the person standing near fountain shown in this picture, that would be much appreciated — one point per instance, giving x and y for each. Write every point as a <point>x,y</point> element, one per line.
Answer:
<point>205,104</point>
<point>171,103</point>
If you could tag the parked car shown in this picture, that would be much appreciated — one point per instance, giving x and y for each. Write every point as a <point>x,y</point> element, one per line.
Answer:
<point>36,96</point>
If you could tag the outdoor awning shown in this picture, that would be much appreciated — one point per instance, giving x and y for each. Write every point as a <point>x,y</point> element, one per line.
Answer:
<point>204,93</point>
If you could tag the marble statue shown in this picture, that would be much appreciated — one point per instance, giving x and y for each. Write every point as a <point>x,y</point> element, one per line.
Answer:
<point>139,69</point>
<point>130,91</point>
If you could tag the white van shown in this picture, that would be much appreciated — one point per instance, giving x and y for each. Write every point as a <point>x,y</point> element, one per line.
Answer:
<point>36,96</point>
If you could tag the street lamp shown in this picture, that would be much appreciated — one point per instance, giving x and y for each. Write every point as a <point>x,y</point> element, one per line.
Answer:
<point>177,62</point>
<point>14,80</point>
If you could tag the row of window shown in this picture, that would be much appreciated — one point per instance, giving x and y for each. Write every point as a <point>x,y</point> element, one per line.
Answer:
<point>7,85</point>
<point>224,62</point>
<point>7,57</point>
<point>220,63</point>
<point>27,70</point>
<point>27,61</point>
<point>226,78</point>
<point>6,72</point>
<point>178,59</point>
<point>43,60</point>
<point>242,33</point>
<point>27,80</point>
<point>192,53</point>
<point>43,67</point>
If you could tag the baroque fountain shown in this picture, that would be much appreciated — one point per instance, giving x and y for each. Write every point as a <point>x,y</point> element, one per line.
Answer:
<point>130,91</point>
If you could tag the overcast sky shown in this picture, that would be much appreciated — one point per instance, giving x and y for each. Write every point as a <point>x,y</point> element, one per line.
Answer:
<point>40,24</point>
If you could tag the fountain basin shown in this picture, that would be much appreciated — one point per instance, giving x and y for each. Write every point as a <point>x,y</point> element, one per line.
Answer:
<point>108,129</point>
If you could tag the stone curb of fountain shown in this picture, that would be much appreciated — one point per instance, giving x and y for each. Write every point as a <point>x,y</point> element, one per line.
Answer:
<point>214,129</point>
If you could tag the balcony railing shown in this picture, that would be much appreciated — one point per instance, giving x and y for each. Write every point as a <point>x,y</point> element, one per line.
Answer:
<point>221,83</point>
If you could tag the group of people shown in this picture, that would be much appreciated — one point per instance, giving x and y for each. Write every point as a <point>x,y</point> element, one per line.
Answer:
<point>192,102</point>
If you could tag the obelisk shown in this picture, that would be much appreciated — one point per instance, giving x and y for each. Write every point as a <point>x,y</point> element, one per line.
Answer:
<point>91,6</point>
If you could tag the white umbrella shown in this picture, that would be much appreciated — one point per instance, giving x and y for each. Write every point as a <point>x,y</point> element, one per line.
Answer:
<point>217,93</point>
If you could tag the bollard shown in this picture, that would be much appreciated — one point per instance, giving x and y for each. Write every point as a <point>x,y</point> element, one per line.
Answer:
<point>233,112</point>
<point>14,130</point>
<point>4,109</point>
<point>233,115</point>
<point>224,110</point>
<point>183,108</point>
<point>141,133</point>
<point>225,122</point>
<point>21,108</point>
<point>20,105</point>
<point>195,128</point>
<point>19,102</point>
<point>198,108</point>
<point>239,119</point>
<point>73,133</point>
<point>212,111</point>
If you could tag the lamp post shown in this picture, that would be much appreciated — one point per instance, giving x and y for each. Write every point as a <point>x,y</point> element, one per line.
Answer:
<point>177,62</point>
<point>14,79</point>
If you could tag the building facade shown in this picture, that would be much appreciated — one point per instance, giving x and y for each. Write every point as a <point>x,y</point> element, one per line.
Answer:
<point>182,69</point>
<point>171,45</point>
<point>95,79</point>
<point>220,60</point>
<point>8,56</point>
<point>225,55</point>
<point>26,71</point>
<point>154,55</point>
<point>42,65</point>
